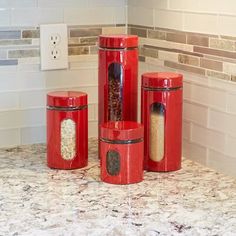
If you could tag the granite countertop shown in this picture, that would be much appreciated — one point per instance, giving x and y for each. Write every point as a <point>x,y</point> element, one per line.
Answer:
<point>36,200</point>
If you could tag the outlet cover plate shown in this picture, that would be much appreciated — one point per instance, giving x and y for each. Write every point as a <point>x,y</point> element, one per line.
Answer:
<point>53,46</point>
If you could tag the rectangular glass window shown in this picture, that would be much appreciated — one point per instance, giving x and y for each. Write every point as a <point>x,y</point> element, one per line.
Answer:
<point>115,92</point>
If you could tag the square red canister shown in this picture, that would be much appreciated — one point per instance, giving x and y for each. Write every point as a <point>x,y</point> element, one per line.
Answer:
<point>161,114</point>
<point>121,152</point>
<point>67,130</point>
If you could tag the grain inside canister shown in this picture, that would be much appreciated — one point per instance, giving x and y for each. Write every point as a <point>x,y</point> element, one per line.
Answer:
<point>157,132</point>
<point>68,139</point>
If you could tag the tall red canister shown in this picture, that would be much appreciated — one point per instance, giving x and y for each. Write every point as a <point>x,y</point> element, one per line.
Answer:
<point>117,78</point>
<point>161,115</point>
<point>121,152</point>
<point>67,130</point>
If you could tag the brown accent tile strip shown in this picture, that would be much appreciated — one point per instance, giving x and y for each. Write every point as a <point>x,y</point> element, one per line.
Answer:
<point>16,34</point>
<point>198,40</point>
<point>23,53</point>
<point>186,32</point>
<point>8,62</point>
<point>120,25</point>
<point>175,37</point>
<point>233,78</point>
<point>218,75</point>
<point>30,34</point>
<point>190,60</point>
<point>223,59</point>
<point>156,34</point>
<point>191,69</point>
<point>147,52</point>
<point>89,40</point>
<point>15,42</point>
<point>222,44</point>
<point>141,58</point>
<point>93,49</point>
<point>215,52</point>
<point>140,26</point>
<point>3,53</point>
<point>85,32</point>
<point>73,27</point>
<point>228,37</point>
<point>201,34</point>
<point>137,31</point>
<point>210,64</point>
<point>79,44</point>
<point>72,51</point>
<point>174,50</point>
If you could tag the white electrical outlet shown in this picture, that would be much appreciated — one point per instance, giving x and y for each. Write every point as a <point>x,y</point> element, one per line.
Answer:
<point>53,46</point>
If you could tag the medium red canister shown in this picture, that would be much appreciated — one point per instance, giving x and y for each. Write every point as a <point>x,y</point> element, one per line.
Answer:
<point>67,130</point>
<point>117,78</point>
<point>121,152</point>
<point>161,114</point>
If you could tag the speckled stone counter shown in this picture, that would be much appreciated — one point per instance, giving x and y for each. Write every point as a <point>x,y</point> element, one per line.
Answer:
<point>35,200</point>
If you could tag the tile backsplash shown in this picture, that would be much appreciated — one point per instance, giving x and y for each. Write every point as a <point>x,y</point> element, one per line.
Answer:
<point>197,39</point>
<point>23,86</point>
<point>202,54</point>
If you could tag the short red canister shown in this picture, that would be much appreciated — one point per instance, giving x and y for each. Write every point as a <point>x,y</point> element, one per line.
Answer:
<point>161,114</point>
<point>117,78</point>
<point>67,130</point>
<point>121,152</point>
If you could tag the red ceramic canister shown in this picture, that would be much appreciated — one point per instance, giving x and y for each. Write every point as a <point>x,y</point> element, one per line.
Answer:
<point>67,130</point>
<point>161,114</point>
<point>121,152</point>
<point>117,78</point>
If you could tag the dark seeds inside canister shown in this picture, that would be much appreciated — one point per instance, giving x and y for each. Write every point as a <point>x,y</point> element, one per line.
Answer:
<point>115,92</point>
<point>113,163</point>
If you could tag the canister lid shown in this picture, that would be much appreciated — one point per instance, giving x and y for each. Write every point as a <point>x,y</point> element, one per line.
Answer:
<point>162,80</point>
<point>121,130</point>
<point>118,41</point>
<point>66,99</point>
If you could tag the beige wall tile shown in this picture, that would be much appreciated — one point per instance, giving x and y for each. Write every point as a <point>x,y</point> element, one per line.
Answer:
<point>210,64</point>
<point>227,25</point>
<point>202,23</point>
<point>176,37</point>
<point>168,19</point>
<point>156,34</point>
<point>138,31</point>
<point>197,40</point>
<point>23,53</point>
<point>186,59</point>
<point>148,52</point>
<point>170,56</point>
<point>113,30</point>
<point>229,68</point>
<point>218,75</point>
<point>185,67</point>
<point>221,162</point>
<point>140,16</point>
<point>78,50</point>
<point>222,44</point>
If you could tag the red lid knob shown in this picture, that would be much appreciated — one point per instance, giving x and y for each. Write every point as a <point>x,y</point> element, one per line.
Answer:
<point>118,41</point>
<point>121,130</point>
<point>162,80</point>
<point>66,99</point>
